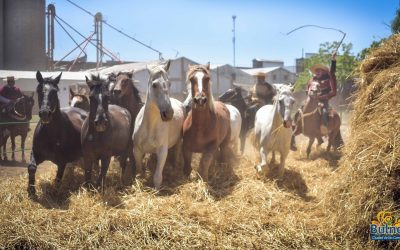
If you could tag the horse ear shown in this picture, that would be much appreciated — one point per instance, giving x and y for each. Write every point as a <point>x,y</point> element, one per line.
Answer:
<point>71,92</point>
<point>130,74</point>
<point>208,66</point>
<point>166,66</point>
<point>88,82</point>
<point>57,79</point>
<point>39,77</point>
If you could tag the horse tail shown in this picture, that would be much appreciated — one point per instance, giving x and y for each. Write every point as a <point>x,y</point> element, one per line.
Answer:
<point>338,141</point>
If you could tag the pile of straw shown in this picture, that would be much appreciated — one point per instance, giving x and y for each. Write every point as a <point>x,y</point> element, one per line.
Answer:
<point>369,178</point>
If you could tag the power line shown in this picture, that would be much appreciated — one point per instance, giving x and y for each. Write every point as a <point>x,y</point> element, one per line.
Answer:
<point>118,30</point>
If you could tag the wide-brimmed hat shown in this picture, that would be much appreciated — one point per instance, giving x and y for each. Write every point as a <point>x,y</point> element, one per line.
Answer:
<point>9,78</point>
<point>322,67</point>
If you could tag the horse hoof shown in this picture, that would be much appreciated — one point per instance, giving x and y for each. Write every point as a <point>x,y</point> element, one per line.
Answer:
<point>259,169</point>
<point>32,192</point>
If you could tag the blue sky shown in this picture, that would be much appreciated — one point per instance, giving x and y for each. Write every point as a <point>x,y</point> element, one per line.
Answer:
<point>202,30</point>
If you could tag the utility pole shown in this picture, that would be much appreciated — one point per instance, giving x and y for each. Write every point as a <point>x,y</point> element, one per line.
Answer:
<point>234,40</point>
<point>98,29</point>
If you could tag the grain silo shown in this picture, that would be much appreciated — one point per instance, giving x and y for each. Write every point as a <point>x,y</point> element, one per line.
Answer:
<point>22,33</point>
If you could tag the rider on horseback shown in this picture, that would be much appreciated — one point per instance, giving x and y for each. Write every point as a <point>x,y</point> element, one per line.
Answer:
<point>9,94</point>
<point>327,82</point>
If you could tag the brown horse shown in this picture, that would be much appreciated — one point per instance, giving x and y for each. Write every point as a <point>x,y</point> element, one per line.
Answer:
<point>79,100</point>
<point>207,126</point>
<point>19,128</point>
<point>105,133</point>
<point>308,121</point>
<point>125,94</point>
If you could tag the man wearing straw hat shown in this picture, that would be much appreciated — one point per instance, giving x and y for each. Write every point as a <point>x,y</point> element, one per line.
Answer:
<point>327,81</point>
<point>9,93</point>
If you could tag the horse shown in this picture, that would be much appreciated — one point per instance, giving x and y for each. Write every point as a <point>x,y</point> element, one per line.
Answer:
<point>158,125</point>
<point>236,125</point>
<point>105,133</point>
<point>235,98</point>
<point>308,121</point>
<point>207,126</point>
<point>20,128</point>
<point>79,100</point>
<point>58,132</point>
<point>273,128</point>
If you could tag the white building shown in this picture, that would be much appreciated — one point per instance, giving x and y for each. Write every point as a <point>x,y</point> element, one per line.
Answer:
<point>273,74</point>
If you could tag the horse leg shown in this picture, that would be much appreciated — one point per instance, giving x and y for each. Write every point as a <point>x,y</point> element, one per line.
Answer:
<point>60,173</point>
<point>126,173</point>
<point>32,172</point>
<point>162,153</point>
<point>320,141</point>
<point>187,160</point>
<point>105,162</point>
<point>12,147</point>
<point>281,169</point>
<point>331,139</point>
<point>293,143</point>
<point>88,165</point>
<point>5,148</point>
<point>23,138</point>
<point>310,143</point>
<point>273,158</point>
<point>205,162</point>
<point>138,155</point>
<point>263,163</point>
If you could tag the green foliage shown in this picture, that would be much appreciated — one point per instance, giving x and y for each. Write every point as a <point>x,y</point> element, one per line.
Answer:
<point>395,25</point>
<point>345,63</point>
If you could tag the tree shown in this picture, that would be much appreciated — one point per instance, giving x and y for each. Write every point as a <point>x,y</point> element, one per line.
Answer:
<point>395,25</point>
<point>345,62</point>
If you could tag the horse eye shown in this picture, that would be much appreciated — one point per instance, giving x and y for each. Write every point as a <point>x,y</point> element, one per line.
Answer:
<point>154,85</point>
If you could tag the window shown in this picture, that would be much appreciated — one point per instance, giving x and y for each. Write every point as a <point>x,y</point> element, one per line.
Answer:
<point>286,78</point>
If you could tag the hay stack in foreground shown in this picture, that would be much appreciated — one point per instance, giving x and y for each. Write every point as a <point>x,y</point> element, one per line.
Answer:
<point>369,177</point>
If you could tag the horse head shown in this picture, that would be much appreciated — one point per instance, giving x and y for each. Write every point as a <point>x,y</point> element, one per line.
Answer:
<point>123,83</point>
<point>158,89</point>
<point>47,97</point>
<point>285,103</point>
<point>23,106</point>
<point>314,90</point>
<point>78,100</point>
<point>99,99</point>
<point>200,80</point>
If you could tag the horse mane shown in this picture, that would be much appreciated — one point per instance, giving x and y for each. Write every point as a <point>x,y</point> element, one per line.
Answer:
<point>203,68</point>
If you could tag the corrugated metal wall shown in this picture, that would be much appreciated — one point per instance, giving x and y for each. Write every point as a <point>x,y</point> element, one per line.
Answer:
<point>23,38</point>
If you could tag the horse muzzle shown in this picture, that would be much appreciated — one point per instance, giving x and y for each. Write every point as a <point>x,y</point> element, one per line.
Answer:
<point>167,115</point>
<point>45,116</point>
<point>199,101</point>
<point>287,123</point>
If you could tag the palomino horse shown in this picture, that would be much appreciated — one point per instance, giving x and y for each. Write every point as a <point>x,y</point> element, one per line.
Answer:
<point>20,128</point>
<point>57,136</point>
<point>309,120</point>
<point>273,128</point>
<point>158,125</point>
<point>105,133</point>
<point>79,100</point>
<point>235,98</point>
<point>207,126</point>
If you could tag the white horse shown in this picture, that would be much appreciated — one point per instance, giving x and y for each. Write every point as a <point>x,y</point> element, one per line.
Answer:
<point>273,128</point>
<point>158,125</point>
<point>236,125</point>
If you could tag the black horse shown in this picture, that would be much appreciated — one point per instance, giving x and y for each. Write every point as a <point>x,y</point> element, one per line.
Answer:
<point>57,136</point>
<point>106,133</point>
<point>20,127</point>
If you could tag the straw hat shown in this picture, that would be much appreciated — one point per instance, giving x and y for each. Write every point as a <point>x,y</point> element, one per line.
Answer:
<point>322,67</point>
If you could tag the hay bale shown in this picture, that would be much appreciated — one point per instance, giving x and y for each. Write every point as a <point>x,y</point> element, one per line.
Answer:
<point>369,177</point>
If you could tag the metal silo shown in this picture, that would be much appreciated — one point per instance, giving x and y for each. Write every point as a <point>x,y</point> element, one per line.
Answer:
<point>24,34</point>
